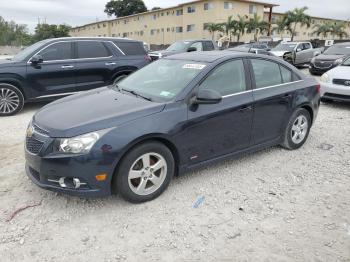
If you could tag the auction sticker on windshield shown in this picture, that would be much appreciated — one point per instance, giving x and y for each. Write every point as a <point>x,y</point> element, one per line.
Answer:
<point>193,66</point>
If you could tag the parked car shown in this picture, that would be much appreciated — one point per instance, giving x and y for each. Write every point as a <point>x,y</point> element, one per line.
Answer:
<point>153,124</point>
<point>331,58</point>
<point>251,50</point>
<point>57,67</point>
<point>296,53</point>
<point>335,84</point>
<point>185,46</point>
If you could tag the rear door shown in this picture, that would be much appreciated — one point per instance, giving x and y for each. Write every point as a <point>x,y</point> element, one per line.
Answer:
<point>56,75</point>
<point>273,94</point>
<point>95,64</point>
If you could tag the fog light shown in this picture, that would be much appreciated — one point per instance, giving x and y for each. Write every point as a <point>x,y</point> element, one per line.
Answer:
<point>61,182</point>
<point>101,177</point>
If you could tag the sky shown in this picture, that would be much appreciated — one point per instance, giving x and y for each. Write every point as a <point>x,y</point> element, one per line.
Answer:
<point>79,12</point>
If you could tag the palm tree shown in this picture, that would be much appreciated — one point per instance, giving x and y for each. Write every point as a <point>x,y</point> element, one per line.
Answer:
<point>281,25</point>
<point>230,27</point>
<point>212,28</point>
<point>323,29</point>
<point>339,30</point>
<point>295,17</point>
<point>256,25</point>
<point>241,26</point>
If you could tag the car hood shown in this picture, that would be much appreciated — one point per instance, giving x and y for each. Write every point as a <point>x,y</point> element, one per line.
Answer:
<point>278,53</point>
<point>165,52</point>
<point>93,110</point>
<point>325,57</point>
<point>341,72</point>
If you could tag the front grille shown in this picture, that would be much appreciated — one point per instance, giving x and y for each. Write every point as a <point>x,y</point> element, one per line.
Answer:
<point>344,82</point>
<point>324,64</point>
<point>33,145</point>
<point>40,130</point>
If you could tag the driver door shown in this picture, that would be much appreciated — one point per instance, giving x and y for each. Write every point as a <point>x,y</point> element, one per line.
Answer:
<point>218,129</point>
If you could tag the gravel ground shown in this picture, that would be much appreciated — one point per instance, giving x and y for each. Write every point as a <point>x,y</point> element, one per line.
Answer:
<point>274,205</point>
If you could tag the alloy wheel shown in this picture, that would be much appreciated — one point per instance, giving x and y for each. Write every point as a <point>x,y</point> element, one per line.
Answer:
<point>147,174</point>
<point>299,129</point>
<point>9,101</point>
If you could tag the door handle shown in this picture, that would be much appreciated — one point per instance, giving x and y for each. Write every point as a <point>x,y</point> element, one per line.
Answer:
<point>67,66</point>
<point>245,108</point>
<point>111,63</point>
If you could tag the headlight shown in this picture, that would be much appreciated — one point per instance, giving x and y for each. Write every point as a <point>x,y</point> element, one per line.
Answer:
<point>338,61</point>
<point>80,144</point>
<point>325,78</point>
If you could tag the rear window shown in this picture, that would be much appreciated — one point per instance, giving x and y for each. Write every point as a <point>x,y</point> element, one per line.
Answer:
<point>131,48</point>
<point>92,49</point>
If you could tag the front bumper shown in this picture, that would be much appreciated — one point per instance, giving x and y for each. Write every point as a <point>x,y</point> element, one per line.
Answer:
<point>46,169</point>
<point>335,92</point>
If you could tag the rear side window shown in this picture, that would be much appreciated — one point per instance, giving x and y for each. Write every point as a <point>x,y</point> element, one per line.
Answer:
<point>208,46</point>
<point>286,75</point>
<point>227,79</point>
<point>131,48</point>
<point>57,51</point>
<point>266,73</point>
<point>92,49</point>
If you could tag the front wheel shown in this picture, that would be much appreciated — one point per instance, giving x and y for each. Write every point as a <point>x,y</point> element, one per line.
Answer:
<point>11,100</point>
<point>145,172</point>
<point>297,129</point>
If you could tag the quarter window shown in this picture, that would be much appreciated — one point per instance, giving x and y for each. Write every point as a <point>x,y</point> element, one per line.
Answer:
<point>286,74</point>
<point>227,79</point>
<point>131,48</point>
<point>57,51</point>
<point>92,49</point>
<point>266,73</point>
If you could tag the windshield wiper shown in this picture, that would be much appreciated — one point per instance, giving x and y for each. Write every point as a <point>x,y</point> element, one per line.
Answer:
<point>137,94</point>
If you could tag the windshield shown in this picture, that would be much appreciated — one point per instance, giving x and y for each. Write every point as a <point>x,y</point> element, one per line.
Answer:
<point>178,46</point>
<point>338,50</point>
<point>162,81</point>
<point>284,47</point>
<point>27,51</point>
<point>346,62</point>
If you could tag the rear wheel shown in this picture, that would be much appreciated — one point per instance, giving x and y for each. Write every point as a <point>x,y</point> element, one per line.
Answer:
<point>297,129</point>
<point>145,172</point>
<point>11,100</point>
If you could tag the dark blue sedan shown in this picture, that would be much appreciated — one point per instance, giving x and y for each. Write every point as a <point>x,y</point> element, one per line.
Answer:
<point>174,114</point>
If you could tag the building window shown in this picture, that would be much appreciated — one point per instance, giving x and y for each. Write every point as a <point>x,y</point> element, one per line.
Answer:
<point>154,17</point>
<point>153,31</point>
<point>252,9</point>
<point>179,29</point>
<point>104,25</point>
<point>179,12</point>
<point>228,5</point>
<point>208,6</point>
<point>190,28</point>
<point>191,9</point>
<point>273,19</point>
<point>168,29</point>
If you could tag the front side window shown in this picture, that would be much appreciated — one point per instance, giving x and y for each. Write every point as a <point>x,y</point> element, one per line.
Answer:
<point>198,46</point>
<point>266,73</point>
<point>208,46</point>
<point>227,78</point>
<point>57,51</point>
<point>191,9</point>
<point>92,49</point>
<point>160,80</point>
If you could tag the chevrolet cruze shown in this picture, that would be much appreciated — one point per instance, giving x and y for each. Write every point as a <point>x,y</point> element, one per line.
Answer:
<point>173,115</point>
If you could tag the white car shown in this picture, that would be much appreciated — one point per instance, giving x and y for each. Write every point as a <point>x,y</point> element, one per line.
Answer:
<point>335,84</point>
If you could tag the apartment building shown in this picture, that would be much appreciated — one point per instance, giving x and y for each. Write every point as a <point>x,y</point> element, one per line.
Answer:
<point>185,21</point>
<point>303,33</point>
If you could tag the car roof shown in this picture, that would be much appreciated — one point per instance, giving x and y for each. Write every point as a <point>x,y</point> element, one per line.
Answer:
<point>93,38</point>
<point>212,56</point>
<point>344,43</point>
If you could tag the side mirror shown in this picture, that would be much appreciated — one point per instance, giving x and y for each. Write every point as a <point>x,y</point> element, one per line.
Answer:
<point>37,59</point>
<point>192,49</point>
<point>298,49</point>
<point>206,97</point>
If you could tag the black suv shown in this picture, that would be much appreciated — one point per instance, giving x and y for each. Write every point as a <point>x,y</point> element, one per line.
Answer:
<point>62,66</point>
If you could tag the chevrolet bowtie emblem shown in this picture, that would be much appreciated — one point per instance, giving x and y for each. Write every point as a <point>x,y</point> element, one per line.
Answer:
<point>30,131</point>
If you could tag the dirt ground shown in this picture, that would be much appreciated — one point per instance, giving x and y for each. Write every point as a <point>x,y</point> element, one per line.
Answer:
<point>274,205</point>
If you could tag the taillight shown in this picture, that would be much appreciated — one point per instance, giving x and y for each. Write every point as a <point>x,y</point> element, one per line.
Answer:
<point>148,58</point>
<point>318,88</point>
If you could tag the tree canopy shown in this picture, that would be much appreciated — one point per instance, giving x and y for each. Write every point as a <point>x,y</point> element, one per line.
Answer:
<point>121,8</point>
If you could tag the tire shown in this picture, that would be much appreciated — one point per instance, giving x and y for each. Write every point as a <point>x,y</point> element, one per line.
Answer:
<point>137,182</point>
<point>118,78</point>
<point>326,100</point>
<point>294,135</point>
<point>11,100</point>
